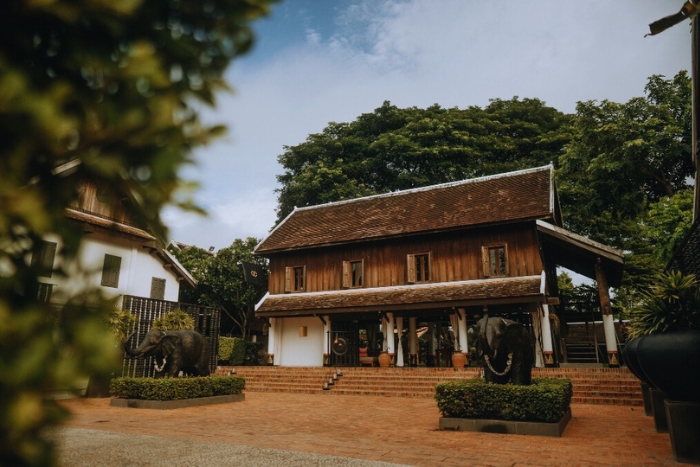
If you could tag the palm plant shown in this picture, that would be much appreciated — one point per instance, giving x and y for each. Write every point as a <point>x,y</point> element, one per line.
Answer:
<point>673,303</point>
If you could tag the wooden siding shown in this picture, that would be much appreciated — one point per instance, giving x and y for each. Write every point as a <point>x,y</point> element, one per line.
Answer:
<point>455,256</point>
<point>101,202</point>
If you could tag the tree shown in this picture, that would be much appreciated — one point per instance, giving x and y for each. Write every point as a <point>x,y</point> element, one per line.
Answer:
<point>103,92</point>
<point>394,149</point>
<point>623,159</point>
<point>221,282</point>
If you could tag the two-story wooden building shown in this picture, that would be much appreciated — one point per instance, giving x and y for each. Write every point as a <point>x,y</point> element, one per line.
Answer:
<point>378,271</point>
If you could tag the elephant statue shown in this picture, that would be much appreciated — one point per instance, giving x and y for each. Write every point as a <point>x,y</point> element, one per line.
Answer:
<point>504,348</point>
<point>174,351</point>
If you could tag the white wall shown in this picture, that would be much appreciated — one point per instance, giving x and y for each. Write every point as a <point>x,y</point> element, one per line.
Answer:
<point>300,351</point>
<point>137,269</point>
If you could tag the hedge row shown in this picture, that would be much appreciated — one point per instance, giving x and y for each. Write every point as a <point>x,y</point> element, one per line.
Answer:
<point>545,400</point>
<point>169,389</point>
<point>236,351</point>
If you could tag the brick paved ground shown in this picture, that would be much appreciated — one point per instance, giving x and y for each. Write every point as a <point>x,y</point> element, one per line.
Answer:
<point>400,430</point>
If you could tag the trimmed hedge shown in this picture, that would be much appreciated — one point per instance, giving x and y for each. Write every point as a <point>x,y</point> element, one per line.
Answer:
<point>545,400</point>
<point>252,356</point>
<point>169,389</point>
<point>225,349</point>
<point>237,352</point>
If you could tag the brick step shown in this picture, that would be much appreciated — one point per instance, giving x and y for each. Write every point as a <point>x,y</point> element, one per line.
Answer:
<point>613,386</point>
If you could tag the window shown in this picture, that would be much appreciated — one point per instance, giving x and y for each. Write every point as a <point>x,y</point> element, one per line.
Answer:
<point>495,260</point>
<point>110,271</point>
<point>353,273</point>
<point>418,267</point>
<point>158,288</point>
<point>295,278</point>
<point>42,258</point>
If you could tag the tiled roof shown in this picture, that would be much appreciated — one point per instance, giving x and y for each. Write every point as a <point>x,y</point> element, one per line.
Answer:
<point>445,294</point>
<point>525,194</point>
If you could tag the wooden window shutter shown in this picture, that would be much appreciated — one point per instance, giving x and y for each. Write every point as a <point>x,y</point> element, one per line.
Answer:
<point>43,257</point>
<point>288,279</point>
<point>158,288</point>
<point>486,262</point>
<point>110,271</point>
<point>411,268</point>
<point>346,274</point>
<point>507,260</point>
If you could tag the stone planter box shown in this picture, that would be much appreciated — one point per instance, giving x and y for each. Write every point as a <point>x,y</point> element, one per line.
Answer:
<point>506,426</point>
<point>176,404</point>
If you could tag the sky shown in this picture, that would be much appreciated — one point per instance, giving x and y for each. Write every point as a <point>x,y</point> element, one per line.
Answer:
<point>321,61</point>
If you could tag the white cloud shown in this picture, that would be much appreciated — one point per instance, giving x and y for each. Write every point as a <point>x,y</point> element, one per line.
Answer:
<point>417,53</point>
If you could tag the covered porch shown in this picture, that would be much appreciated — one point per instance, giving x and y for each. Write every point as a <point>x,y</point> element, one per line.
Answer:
<point>416,325</point>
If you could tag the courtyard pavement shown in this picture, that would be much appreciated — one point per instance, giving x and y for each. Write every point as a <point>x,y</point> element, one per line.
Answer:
<point>281,429</point>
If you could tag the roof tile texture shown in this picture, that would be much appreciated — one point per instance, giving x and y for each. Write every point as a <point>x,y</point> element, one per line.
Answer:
<point>502,198</point>
<point>464,291</point>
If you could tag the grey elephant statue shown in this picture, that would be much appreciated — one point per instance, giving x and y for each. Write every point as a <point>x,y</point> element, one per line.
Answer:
<point>505,349</point>
<point>174,351</point>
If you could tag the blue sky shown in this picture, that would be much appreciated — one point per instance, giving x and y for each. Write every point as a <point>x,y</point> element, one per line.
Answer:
<point>317,61</point>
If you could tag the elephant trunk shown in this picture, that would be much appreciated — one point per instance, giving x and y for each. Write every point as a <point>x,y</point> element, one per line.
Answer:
<point>127,348</point>
<point>483,340</point>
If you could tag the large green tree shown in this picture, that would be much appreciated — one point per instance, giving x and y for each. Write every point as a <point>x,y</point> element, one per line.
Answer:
<point>394,149</point>
<point>99,91</point>
<point>623,159</point>
<point>623,170</point>
<point>221,282</point>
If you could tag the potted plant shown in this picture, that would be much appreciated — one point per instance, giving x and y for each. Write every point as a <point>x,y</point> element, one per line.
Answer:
<point>665,334</point>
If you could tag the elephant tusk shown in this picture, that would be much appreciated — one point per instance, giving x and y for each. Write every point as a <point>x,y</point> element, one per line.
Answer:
<point>155,365</point>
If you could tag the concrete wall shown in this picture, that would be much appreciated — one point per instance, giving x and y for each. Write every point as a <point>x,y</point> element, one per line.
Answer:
<point>137,269</point>
<point>295,350</point>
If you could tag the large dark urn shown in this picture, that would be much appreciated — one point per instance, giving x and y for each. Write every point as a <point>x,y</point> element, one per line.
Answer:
<point>671,362</point>
<point>629,357</point>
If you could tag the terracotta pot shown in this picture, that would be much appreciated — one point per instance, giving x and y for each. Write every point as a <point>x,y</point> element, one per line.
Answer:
<point>384,359</point>
<point>459,360</point>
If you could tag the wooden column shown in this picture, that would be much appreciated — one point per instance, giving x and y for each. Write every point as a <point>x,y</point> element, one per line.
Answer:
<point>412,342</point>
<point>399,345</point>
<point>547,348</point>
<point>271,341</point>
<point>463,342</point>
<point>326,340</point>
<point>537,325</point>
<point>608,320</point>
<point>390,337</point>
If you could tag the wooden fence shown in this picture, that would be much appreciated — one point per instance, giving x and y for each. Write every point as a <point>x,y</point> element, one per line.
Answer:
<point>206,321</point>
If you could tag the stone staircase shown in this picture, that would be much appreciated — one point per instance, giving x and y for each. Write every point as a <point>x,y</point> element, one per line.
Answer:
<point>612,386</point>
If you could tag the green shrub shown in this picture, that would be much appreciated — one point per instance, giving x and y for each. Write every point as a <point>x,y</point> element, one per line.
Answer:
<point>225,349</point>
<point>252,357</point>
<point>173,321</point>
<point>168,389</point>
<point>545,400</point>
<point>238,352</point>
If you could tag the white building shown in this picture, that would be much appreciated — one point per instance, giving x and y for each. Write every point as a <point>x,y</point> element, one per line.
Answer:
<point>115,255</point>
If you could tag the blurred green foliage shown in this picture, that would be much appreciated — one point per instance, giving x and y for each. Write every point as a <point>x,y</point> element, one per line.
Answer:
<point>104,92</point>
